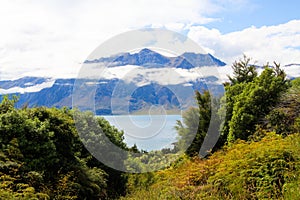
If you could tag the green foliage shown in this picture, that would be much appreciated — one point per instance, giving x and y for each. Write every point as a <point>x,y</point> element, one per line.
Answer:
<point>243,72</point>
<point>150,161</point>
<point>258,170</point>
<point>195,124</point>
<point>267,169</point>
<point>284,118</point>
<point>250,99</point>
<point>42,157</point>
<point>140,181</point>
<point>296,125</point>
<point>94,132</point>
<point>258,163</point>
<point>7,104</point>
<point>188,129</point>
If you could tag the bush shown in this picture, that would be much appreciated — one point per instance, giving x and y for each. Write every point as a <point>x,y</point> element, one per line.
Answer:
<point>267,169</point>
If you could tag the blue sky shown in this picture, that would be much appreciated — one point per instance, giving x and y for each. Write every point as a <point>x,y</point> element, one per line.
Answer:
<point>256,13</point>
<point>53,37</point>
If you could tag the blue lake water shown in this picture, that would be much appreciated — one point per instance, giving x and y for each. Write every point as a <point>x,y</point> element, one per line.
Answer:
<point>148,132</point>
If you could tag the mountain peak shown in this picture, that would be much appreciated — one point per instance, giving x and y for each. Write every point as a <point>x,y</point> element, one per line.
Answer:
<point>150,58</point>
<point>146,51</point>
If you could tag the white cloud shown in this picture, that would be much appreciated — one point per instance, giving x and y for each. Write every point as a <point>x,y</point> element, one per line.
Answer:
<point>292,71</point>
<point>35,88</point>
<point>164,76</point>
<point>54,36</point>
<point>280,43</point>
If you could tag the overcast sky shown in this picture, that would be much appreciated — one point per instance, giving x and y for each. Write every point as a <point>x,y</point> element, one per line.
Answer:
<point>53,37</point>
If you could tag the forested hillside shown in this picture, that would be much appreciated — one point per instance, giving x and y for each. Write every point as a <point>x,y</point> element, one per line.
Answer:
<point>256,157</point>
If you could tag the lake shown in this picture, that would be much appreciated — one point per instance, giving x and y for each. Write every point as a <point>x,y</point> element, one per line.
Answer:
<point>148,132</point>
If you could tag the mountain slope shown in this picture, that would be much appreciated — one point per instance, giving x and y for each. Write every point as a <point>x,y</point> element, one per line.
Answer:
<point>149,57</point>
<point>140,79</point>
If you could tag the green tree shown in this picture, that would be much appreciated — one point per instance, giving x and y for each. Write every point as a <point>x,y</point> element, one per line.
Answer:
<point>283,119</point>
<point>94,133</point>
<point>250,98</point>
<point>42,155</point>
<point>196,122</point>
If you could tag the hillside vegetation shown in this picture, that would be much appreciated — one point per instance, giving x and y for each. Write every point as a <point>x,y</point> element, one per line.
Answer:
<point>256,157</point>
<point>258,152</point>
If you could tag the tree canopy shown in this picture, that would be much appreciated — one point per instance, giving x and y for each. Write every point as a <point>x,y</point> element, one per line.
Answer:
<point>251,98</point>
<point>41,156</point>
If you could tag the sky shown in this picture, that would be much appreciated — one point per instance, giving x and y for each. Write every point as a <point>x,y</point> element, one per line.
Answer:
<point>53,37</point>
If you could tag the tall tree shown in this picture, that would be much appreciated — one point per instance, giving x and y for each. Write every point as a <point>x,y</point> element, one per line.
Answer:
<point>249,97</point>
<point>195,124</point>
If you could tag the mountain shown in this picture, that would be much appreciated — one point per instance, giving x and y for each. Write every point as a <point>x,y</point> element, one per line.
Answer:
<point>292,64</point>
<point>151,58</point>
<point>200,60</point>
<point>22,82</point>
<point>133,82</point>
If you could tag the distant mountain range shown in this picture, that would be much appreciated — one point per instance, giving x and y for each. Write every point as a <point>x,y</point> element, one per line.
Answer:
<point>152,78</point>
<point>154,59</point>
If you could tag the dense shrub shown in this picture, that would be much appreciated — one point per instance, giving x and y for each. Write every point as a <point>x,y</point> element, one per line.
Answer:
<point>267,169</point>
<point>42,157</point>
